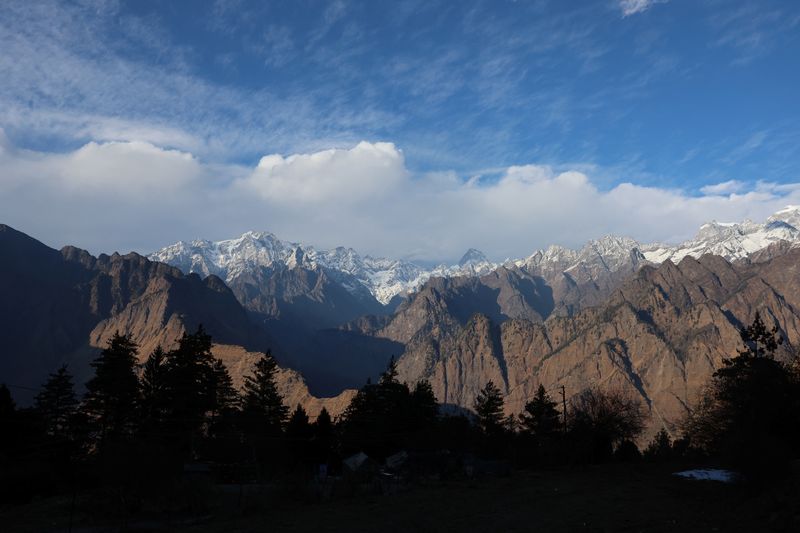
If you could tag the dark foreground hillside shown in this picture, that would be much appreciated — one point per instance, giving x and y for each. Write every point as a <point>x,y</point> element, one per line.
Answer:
<point>616,497</point>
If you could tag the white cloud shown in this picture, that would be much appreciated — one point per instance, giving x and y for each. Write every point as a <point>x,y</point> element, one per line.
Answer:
<point>342,176</point>
<point>137,168</point>
<point>120,168</point>
<point>102,196</point>
<point>725,187</point>
<point>135,195</point>
<point>631,7</point>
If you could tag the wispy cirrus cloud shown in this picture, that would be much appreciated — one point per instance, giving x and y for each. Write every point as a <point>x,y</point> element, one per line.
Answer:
<point>65,77</point>
<point>334,79</point>
<point>632,7</point>
<point>751,29</point>
<point>755,141</point>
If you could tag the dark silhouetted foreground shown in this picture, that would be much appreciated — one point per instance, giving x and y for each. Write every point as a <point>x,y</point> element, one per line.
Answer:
<point>171,443</point>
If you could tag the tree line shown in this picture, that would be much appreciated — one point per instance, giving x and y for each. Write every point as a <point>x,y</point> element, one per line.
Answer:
<point>137,423</point>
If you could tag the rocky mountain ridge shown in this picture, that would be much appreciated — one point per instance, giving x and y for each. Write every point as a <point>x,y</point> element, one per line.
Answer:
<point>658,336</point>
<point>607,314</point>
<point>60,307</point>
<point>385,279</point>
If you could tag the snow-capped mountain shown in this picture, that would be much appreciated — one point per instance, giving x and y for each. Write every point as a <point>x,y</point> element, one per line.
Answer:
<point>608,254</point>
<point>732,240</point>
<point>229,259</point>
<point>386,278</point>
<point>472,263</point>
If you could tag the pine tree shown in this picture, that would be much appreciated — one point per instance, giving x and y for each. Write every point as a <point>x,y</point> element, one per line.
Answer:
<point>188,378</point>
<point>379,417</point>
<point>540,418</point>
<point>224,397</point>
<point>112,395</point>
<point>392,399</point>
<point>261,403</point>
<point>299,436</point>
<point>660,447</point>
<point>322,436</point>
<point>758,340</point>
<point>56,403</point>
<point>153,386</point>
<point>424,405</point>
<point>298,427</point>
<point>323,425</point>
<point>489,408</point>
<point>749,412</point>
<point>390,374</point>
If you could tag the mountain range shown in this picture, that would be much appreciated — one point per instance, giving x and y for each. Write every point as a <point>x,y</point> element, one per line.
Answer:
<point>61,307</point>
<point>386,279</point>
<point>654,320</point>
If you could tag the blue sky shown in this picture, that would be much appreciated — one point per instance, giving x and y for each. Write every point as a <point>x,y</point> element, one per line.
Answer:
<point>694,99</point>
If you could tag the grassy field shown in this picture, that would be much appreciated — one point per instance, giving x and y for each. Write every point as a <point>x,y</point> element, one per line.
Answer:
<point>606,498</point>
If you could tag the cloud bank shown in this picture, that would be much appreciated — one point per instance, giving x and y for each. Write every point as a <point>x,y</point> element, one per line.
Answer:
<point>121,196</point>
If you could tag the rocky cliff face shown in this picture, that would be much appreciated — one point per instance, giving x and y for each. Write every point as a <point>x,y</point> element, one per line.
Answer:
<point>508,292</point>
<point>659,336</point>
<point>291,384</point>
<point>156,303</point>
<point>62,307</point>
<point>305,298</point>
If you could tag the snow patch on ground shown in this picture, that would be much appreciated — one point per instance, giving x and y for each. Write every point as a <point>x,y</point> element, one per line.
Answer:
<point>709,474</point>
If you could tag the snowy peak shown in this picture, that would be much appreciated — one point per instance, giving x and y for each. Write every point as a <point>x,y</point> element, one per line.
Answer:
<point>473,257</point>
<point>556,255</point>
<point>611,251</point>
<point>788,215</point>
<point>387,278</point>
<point>732,240</point>
<point>253,250</point>
<point>714,231</point>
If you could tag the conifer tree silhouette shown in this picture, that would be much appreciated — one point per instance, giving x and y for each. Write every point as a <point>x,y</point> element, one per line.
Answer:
<point>424,405</point>
<point>758,340</point>
<point>261,402</point>
<point>298,426</point>
<point>57,404</point>
<point>750,412</point>
<point>540,418</point>
<point>660,447</point>
<point>323,436</point>
<point>224,397</point>
<point>389,376</point>
<point>188,377</point>
<point>489,408</point>
<point>112,395</point>
<point>153,386</point>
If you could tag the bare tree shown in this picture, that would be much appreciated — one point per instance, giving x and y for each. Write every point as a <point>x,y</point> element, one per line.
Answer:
<point>605,419</point>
